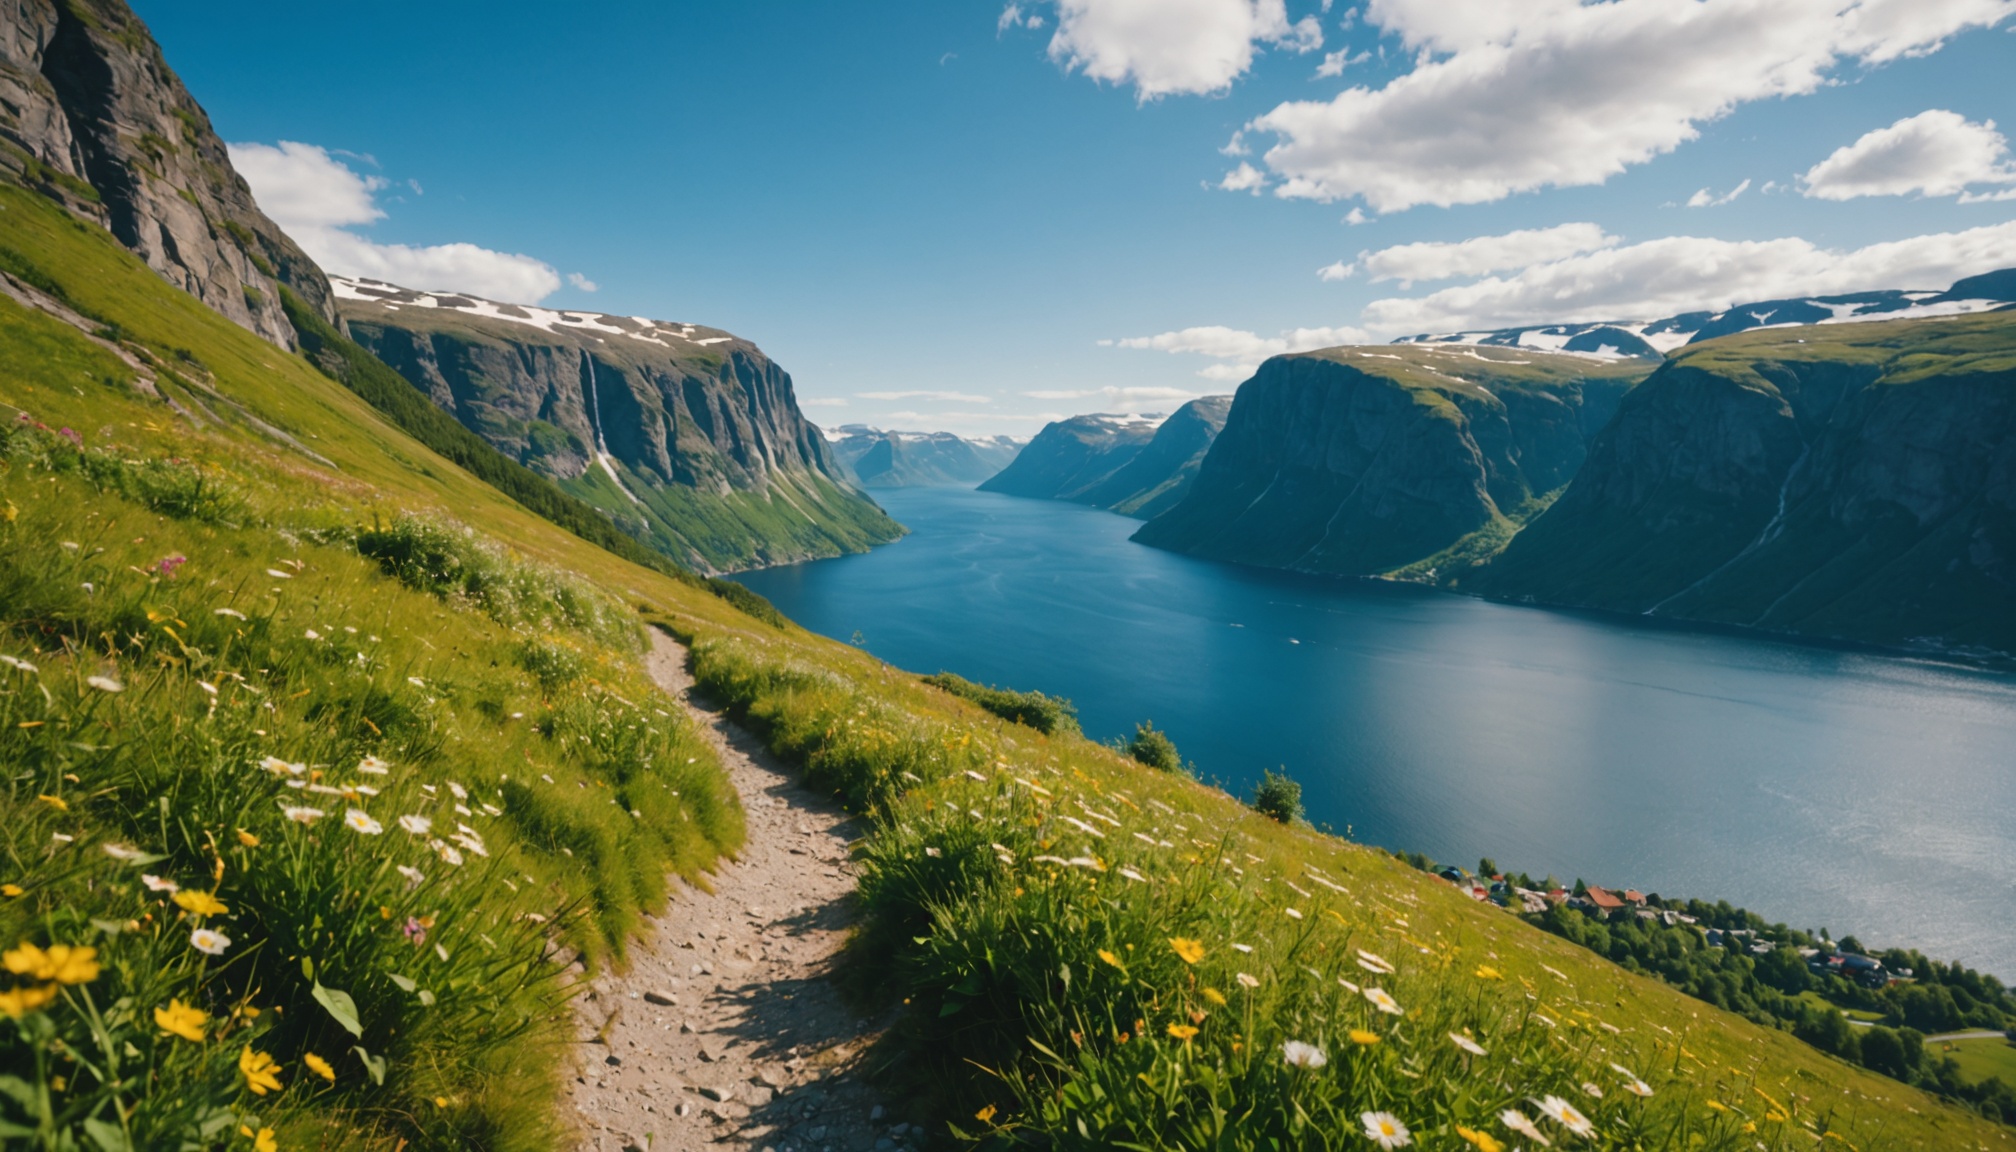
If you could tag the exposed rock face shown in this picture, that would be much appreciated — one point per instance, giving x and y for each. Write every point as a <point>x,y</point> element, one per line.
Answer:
<point>1390,459</point>
<point>1132,465</point>
<point>883,459</point>
<point>1858,486</point>
<point>91,115</point>
<point>690,437</point>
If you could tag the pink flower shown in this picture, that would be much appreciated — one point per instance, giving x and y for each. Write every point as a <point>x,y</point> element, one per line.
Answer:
<point>71,436</point>
<point>167,565</point>
<point>415,931</point>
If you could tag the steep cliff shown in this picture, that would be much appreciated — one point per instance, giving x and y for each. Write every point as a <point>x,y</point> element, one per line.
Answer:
<point>1161,473</point>
<point>1855,482</point>
<point>1390,459</point>
<point>92,116</point>
<point>690,438</point>
<point>885,459</point>
<point>1070,457</point>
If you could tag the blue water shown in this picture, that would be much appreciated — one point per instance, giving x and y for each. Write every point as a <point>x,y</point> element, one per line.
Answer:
<point>1861,793</point>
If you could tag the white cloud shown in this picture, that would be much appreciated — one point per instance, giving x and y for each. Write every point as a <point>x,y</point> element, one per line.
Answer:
<point>946,397</point>
<point>1334,63</point>
<point>1938,153</point>
<point>1686,273</point>
<point>822,402</point>
<point>1507,98</point>
<point>1121,399</point>
<point>1240,351</point>
<point>317,199</point>
<point>582,282</point>
<point>1173,47</point>
<point>1013,17</point>
<point>1244,178</point>
<point>1473,257</point>
<point>1706,198</point>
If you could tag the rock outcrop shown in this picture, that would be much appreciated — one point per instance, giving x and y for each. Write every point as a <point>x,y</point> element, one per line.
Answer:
<point>887,459</point>
<point>689,437</point>
<point>92,116</point>
<point>1393,459</point>
<point>1160,474</point>
<point>1855,482</point>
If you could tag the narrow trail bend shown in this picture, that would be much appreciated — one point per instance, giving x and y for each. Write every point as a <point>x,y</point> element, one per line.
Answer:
<point>726,1031</point>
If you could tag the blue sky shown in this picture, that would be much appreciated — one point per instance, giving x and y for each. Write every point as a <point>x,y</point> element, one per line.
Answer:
<point>969,216</point>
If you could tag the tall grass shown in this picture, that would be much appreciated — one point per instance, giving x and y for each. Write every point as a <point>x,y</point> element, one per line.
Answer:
<point>401,803</point>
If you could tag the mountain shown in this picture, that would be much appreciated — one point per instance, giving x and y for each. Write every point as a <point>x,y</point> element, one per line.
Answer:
<point>885,459</point>
<point>1653,338</point>
<point>91,116</point>
<point>1134,465</point>
<point>1381,459</point>
<point>1856,482</point>
<point>689,437</point>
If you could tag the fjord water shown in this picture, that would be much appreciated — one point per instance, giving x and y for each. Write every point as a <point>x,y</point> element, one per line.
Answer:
<point>1861,793</point>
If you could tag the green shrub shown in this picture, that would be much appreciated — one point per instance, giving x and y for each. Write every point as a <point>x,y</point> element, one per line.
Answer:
<point>1277,797</point>
<point>1050,715</point>
<point>1154,748</point>
<point>751,603</point>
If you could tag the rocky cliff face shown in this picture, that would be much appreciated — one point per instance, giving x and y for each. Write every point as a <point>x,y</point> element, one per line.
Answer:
<point>91,115</point>
<point>1860,485</point>
<point>1390,459</point>
<point>884,459</point>
<point>1070,457</point>
<point>691,437</point>
<point>1160,474</point>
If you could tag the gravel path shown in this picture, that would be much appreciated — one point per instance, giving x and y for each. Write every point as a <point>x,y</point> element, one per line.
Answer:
<point>726,1031</point>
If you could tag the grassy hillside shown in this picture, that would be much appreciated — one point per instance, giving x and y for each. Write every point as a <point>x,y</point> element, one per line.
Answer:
<point>192,522</point>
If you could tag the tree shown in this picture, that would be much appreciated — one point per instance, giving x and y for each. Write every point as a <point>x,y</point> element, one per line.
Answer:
<point>1487,867</point>
<point>1279,797</point>
<point>1154,748</point>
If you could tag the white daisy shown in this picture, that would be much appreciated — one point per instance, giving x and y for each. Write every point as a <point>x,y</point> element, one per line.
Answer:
<point>1297,1054</point>
<point>157,884</point>
<point>125,853</point>
<point>446,851</point>
<point>372,766</point>
<point>1466,1044</point>
<point>210,942</point>
<point>104,683</point>
<point>301,815</point>
<point>1383,1002</point>
<point>1386,1130</point>
<point>1246,981</point>
<point>417,825</point>
<point>1374,963</point>
<point>1565,1114</point>
<point>414,877</point>
<point>1516,1120</point>
<point>358,820</point>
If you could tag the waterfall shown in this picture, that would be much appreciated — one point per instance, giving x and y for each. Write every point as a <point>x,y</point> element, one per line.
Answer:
<point>595,406</point>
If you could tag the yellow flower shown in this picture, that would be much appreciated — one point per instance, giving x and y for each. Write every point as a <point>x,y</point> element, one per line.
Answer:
<point>61,963</point>
<point>1482,1141</point>
<point>200,903</point>
<point>247,839</point>
<point>1361,1036</point>
<point>56,802</point>
<point>440,1101</point>
<point>260,1071</point>
<point>1213,995</point>
<point>262,1140</point>
<point>1110,958</point>
<point>319,1066</point>
<point>10,890</point>
<point>1182,1032</point>
<point>1486,972</point>
<point>985,1115</point>
<point>21,1001</point>
<point>1190,951</point>
<point>1718,1106</point>
<point>179,1019</point>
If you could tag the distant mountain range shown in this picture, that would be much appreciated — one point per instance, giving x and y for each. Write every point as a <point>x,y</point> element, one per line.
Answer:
<point>1136,465</point>
<point>881,458</point>
<point>1655,338</point>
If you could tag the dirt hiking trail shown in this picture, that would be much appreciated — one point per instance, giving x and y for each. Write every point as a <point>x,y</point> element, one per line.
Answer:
<point>727,1030</point>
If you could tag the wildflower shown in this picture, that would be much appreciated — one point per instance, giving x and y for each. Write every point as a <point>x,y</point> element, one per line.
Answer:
<point>373,766</point>
<point>1246,981</point>
<point>277,574</point>
<point>11,890</point>
<point>1110,958</point>
<point>360,821</point>
<point>468,839</point>
<point>1486,972</point>
<point>19,1002</point>
<point>446,851</point>
<point>1243,949</point>
<point>61,963</point>
<point>312,634</point>
<point>319,1066</point>
<point>1362,1038</point>
<point>231,612</point>
<point>1292,914</point>
<point>456,790</point>
<point>1213,995</point>
<point>125,853</point>
<point>1348,986</point>
<point>1297,1054</point>
<point>1466,1044</point>
<point>985,1115</point>
<point>18,665</point>
<point>415,931</point>
<point>1516,1120</point>
<point>1565,1114</point>
<point>300,814</point>
<point>104,683</point>
<point>1383,1002</point>
<point>1638,1088</point>
<point>200,904</point>
<point>1592,1091</point>
<point>1482,1141</point>
<point>1374,963</point>
<point>262,1140</point>
<point>208,942</point>
<point>1183,1032</point>
<point>260,1071</point>
<point>414,877</point>
<point>247,839</point>
<point>56,802</point>
<point>281,767</point>
<point>167,565</point>
<point>1718,1106</point>
<point>1131,874</point>
<point>179,1019</point>
<point>417,825</point>
<point>1385,1130</point>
